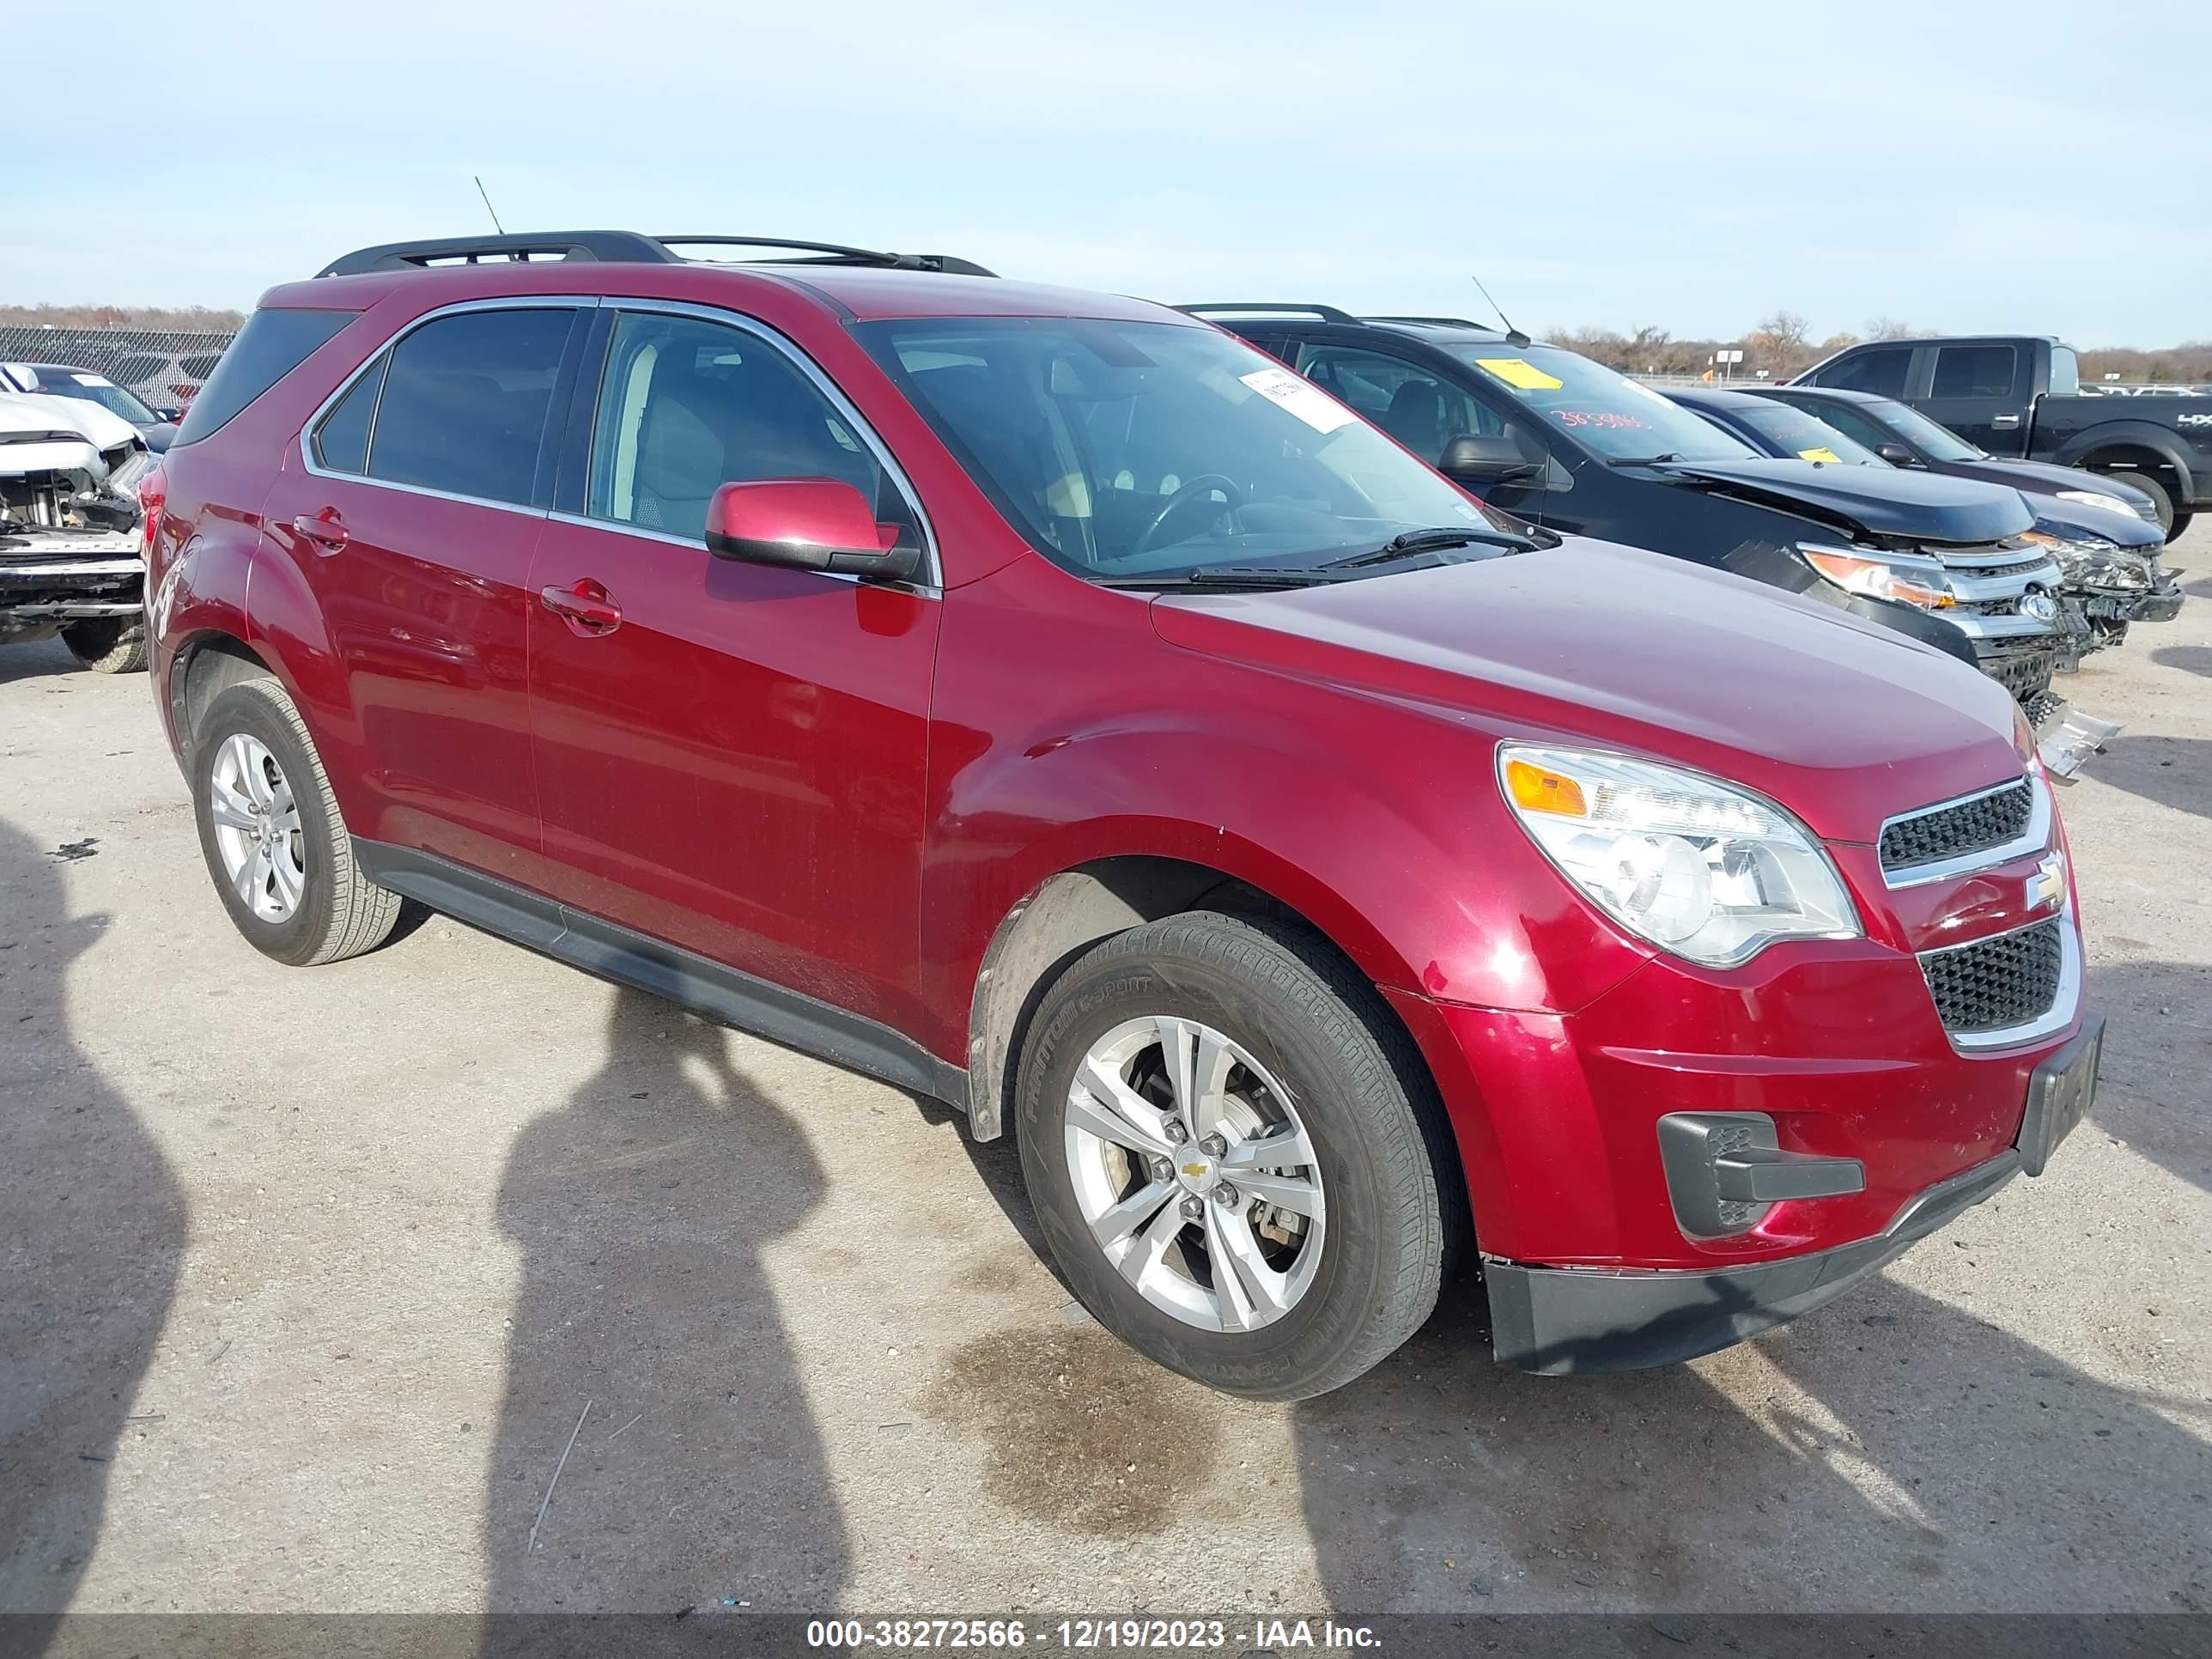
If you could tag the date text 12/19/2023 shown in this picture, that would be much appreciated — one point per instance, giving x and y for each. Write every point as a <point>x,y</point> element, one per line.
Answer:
<point>1123,1634</point>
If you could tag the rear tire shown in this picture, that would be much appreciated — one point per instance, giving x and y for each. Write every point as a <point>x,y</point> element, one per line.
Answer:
<point>108,645</point>
<point>271,832</point>
<point>1317,1098</point>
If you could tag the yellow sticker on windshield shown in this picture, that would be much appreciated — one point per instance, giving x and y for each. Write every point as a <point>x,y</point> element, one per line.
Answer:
<point>1820,455</point>
<point>1515,371</point>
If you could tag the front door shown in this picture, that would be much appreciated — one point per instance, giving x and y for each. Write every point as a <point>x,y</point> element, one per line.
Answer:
<point>731,757</point>
<point>412,521</point>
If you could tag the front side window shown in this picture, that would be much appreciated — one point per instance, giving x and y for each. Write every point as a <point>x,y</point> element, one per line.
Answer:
<point>1881,371</point>
<point>687,405</point>
<point>465,401</point>
<point>1421,411</point>
<point>1610,416</point>
<point>1131,449</point>
<point>1977,371</point>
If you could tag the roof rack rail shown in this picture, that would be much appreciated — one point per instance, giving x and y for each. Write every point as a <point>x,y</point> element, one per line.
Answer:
<point>624,246</point>
<point>834,253</point>
<point>1439,322</point>
<point>1326,314</point>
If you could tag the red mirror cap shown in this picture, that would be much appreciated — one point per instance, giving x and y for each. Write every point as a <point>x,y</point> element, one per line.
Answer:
<point>805,519</point>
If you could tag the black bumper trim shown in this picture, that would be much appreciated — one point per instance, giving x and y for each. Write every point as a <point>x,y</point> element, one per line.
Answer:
<point>1559,1321</point>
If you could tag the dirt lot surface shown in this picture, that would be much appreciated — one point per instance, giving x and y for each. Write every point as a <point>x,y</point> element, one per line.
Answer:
<point>308,1278</point>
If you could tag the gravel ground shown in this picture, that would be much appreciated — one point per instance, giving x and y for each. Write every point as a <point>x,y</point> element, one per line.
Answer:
<point>308,1279</point>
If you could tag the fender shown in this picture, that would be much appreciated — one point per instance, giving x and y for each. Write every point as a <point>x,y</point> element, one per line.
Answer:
<point>1362,851</point>
<point>2141,434</point>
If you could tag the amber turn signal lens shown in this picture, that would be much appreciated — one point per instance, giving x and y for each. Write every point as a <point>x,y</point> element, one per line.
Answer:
<point>1538,789</point>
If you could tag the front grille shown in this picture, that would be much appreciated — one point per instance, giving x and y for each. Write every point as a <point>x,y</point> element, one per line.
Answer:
<point>1950,832</point>
<point>2023,673</point>
<point>1997,984</point>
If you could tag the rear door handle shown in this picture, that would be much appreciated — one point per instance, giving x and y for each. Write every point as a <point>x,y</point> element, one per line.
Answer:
<point>586,606</point>
<point>2006,421</point>
<point>324,530</point>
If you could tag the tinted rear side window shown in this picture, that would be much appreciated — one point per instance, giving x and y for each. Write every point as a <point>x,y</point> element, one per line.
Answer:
<point>1974,372</point>
<point>1881,371</point>
<point>465,404</point>
<point>270,346</point>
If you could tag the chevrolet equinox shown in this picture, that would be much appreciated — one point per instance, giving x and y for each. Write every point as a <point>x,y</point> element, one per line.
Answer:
<point>1050,703</point>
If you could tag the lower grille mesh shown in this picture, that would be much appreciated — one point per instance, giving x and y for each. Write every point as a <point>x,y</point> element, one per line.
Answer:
<point>1997,984</point>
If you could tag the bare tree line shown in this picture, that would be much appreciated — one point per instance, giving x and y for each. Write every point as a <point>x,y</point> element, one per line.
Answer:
<point>1782,345</point>
<point>168,319</point>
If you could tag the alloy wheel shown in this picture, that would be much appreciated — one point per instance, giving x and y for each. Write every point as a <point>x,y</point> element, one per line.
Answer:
<point>1195,1173</point>
<point>257,828</point>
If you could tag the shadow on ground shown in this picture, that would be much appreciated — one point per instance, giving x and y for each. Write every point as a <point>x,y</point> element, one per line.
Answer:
<point>92,1227</point>
<point>1918,1474</point>
<point>2157,1053</point>
<point>641,1209</point>
<point>2189,659</point>
<point>2175,772</point>
<point>39,659</point>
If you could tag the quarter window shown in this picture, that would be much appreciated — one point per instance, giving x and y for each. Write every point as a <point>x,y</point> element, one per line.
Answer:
<point>342,440</point>
<point>687,405</point>
<point>1980,371</point>
<point>465,404</point>
<point>1881,371</point>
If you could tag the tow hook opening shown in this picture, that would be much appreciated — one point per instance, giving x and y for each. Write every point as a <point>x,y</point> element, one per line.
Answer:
<point>1725,1171</point>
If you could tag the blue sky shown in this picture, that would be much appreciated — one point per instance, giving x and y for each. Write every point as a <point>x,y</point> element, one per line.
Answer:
<point>2031,165</point>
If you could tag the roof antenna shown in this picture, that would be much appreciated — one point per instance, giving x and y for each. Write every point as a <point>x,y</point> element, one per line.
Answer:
<point>501,229</point>
<point>1514,336</point>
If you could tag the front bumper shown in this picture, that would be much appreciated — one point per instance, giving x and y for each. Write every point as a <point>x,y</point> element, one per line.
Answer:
<point>1559,1321</point>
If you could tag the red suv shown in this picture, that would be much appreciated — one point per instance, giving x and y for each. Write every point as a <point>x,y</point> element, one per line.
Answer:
<point>1050,703</point>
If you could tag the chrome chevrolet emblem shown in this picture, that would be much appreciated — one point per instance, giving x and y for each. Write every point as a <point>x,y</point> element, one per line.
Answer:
<point>2048,884</point>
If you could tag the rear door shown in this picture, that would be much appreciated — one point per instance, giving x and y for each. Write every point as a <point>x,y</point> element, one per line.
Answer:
<point>730,756</point>
<point>412,510</point>
<point>1979,389</point>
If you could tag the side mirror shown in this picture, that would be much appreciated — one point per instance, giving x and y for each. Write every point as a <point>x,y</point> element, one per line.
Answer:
<point>1473,459</point>
<point>1896,455</point>
<point>806,523</point>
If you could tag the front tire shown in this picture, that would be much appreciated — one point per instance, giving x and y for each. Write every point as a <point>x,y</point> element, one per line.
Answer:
<point>270,832</point>
<point>108,645</point>
<point>2161,500</point>
<point>1234,1153</point>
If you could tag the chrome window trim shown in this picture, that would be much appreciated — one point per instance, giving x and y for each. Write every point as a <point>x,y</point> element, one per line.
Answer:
<point>504,302</point>
<point>2064,1004</point>
<point>932,584</point>
<point>2035,838</point>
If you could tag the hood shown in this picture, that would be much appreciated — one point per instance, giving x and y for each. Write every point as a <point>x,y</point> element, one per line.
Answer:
<point>2070,521</point>
<point>2045,477</point>
<point>1926,507</point>
<point>34,439</point>
<point>102,427</point>
<point>1844,722</point>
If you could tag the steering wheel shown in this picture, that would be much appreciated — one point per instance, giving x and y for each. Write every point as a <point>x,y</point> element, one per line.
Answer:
<point>1201,485</point>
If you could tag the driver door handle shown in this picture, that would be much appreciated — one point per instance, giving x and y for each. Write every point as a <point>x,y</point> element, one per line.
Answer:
<point>586,606</point>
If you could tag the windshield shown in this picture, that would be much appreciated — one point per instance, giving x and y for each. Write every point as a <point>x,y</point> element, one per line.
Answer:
<point>1795,433</point>
<point>1938,443</point>
<point>113,398</point>
<point>1607,414</point>
<point>1127,449</point>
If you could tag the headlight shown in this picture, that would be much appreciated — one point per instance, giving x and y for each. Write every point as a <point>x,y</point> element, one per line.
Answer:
<point>1882,575</point>
<point>2097,498</point>
<point>1704,871</point>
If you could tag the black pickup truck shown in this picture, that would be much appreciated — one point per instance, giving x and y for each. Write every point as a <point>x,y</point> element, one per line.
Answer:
<point>2019,395</point>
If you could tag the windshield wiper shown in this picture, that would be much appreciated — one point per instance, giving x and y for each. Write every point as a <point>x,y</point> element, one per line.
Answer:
<point>1438,540</point>
<point>1224,576</point>
<point>1644,460</point>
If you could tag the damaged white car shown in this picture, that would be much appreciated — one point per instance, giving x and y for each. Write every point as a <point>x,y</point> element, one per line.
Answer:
<point>70,517</point>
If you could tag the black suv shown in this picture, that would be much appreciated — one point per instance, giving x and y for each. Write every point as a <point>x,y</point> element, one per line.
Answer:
<point>1569,444</point>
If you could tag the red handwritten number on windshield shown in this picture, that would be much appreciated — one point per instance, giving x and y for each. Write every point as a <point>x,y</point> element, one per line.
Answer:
<point>1611,420</point>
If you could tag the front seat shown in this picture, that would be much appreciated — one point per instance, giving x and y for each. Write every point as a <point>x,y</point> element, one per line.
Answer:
<point>679,465</point>
<point>1416,419</point>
